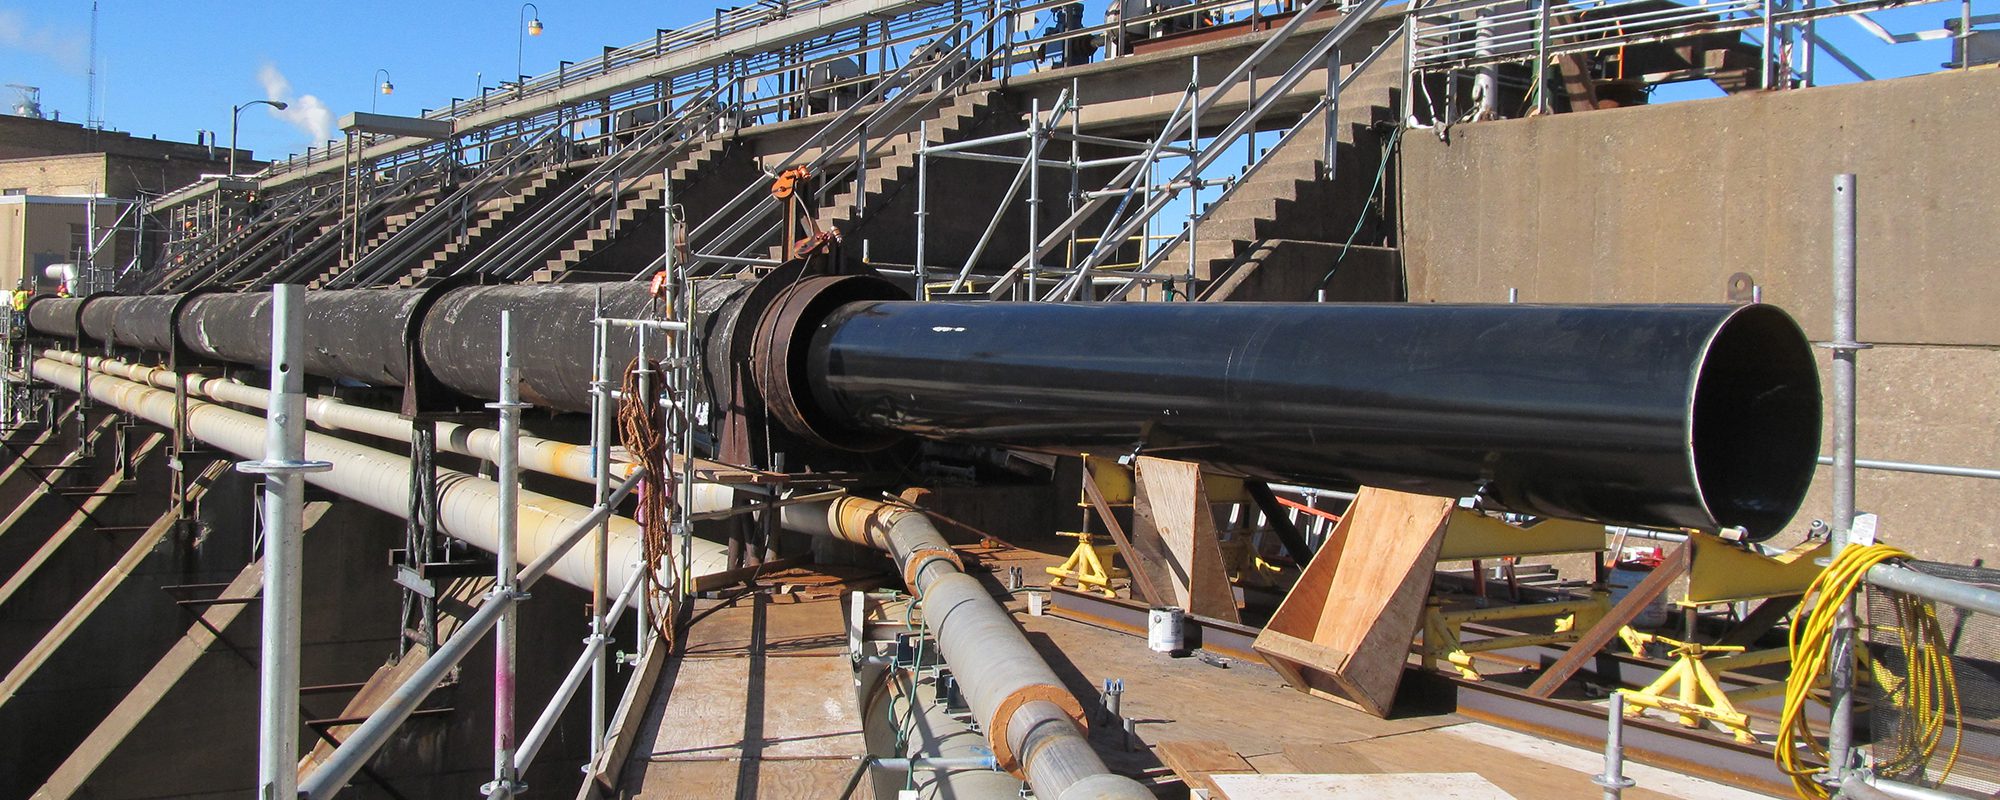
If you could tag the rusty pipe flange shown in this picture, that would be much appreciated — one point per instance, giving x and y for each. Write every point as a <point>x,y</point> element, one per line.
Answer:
<point>778,356</point>
<point>919,558</point>
<point>999,733</point>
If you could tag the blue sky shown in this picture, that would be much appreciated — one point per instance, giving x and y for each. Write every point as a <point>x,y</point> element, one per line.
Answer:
<point>169,68</point>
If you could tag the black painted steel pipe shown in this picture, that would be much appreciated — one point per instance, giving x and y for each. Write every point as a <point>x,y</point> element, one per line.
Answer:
<point>1690,416</point>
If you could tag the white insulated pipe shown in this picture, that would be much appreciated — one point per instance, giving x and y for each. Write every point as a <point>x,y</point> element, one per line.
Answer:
<point>1033,724</point>
<point>545,456</point>
<point>380,480</point>
<point>1031,720</point>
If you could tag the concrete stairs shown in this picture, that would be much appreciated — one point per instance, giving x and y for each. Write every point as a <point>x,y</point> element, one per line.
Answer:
<point>497,214</point>
<point>889,175</point>
<point>391,225</point>
<point>1287,217</point>
<point>639,199</point>
<point>640,205</point>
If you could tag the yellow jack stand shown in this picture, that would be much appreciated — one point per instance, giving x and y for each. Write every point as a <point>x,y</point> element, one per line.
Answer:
<point>1441,628</point>
<point>1088,566</point>
<point>1696,694</point>
<point>1247,568</point>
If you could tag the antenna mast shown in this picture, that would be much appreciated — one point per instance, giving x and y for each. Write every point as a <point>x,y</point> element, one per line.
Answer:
<point>90,117</point>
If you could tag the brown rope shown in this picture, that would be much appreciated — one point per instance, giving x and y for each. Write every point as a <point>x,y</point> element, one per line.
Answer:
<point>641,431</point>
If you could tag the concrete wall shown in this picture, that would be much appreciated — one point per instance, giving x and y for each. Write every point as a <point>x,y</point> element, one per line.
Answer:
<point>36,232</point>
<point>1666,203</point>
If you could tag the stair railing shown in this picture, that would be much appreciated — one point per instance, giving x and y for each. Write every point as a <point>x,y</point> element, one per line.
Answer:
<point>1152,260</point>
<point>453,213</point>
<point>710,251</point>
<point>1133,179</point>
<point>514,253</point>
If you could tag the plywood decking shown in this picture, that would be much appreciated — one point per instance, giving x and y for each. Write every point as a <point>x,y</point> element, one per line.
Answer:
<point>760,703</point>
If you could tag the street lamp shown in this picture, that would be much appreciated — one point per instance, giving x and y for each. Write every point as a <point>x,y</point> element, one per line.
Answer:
<point>387,88</point>
<point>233,113</point>
<point>534,28</point>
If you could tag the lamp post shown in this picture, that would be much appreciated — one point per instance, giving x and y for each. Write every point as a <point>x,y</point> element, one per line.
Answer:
<point>387,88</point>
<point>234,112</point>
<point>533,28</point>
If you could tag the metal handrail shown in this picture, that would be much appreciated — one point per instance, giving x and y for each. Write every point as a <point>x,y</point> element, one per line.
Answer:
<point>575,204</point>
<point>375,210</point>
<point>1159,254</point>
<point>1178,127</point>
<point>1448,28</point>
<point>766,203</point>
<point>284,227</point>
<point>276,216</point>
<point>453,212</point>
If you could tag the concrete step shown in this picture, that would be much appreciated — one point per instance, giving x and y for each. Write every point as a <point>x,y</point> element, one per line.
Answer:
<point>1293,271</point>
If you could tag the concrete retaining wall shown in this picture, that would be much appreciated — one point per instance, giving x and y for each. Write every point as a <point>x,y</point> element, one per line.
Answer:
<point>1666,203</point>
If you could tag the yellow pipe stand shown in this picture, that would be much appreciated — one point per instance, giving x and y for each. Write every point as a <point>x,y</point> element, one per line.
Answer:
<point>1088,566</point>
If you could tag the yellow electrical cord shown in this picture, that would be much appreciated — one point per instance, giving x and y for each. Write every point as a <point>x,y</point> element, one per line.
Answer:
<point>1928,693</point>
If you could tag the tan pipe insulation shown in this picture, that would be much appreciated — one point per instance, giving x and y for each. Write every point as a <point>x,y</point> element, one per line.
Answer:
<point>1033,724</point>
<point>381,481</point>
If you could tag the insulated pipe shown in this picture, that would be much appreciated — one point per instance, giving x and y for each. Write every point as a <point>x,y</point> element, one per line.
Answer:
<point>56,316</point>
<point>937,736</point>
<point>546,456</point>
<point>141,321</point>
<point>458,333</point>
<point>1033,724</point>
<point>1690,416</point>
<point>380,480</point>
<point>356,334</point>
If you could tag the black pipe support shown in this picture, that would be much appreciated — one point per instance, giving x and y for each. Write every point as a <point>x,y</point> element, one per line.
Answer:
<point>1676,416</point>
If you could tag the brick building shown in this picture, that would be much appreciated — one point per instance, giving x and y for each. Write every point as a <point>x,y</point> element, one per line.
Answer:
<point>58,179</point>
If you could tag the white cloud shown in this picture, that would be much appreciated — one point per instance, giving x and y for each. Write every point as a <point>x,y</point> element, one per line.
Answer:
<point>305,112</point>
<point>70,51</point>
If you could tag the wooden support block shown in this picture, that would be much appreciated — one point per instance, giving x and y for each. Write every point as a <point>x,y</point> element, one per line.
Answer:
<point>1345,629</point>
<point>1143,585</point>
<point>1173,523</point>
<point>1195,760</point>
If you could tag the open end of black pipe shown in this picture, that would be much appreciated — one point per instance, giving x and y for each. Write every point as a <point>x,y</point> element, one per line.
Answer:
<point>1756,421</point>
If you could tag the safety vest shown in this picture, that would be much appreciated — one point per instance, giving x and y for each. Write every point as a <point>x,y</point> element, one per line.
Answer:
<point>21,299</point>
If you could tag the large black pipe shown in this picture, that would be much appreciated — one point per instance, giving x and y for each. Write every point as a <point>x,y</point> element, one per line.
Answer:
<point>355,334</point>
<point>56,316</point>
<point>460,337</point>
<point>142,321</point>
<point>1675,416</point>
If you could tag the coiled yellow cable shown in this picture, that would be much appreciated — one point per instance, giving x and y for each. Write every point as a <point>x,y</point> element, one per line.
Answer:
<point>1928,692</point>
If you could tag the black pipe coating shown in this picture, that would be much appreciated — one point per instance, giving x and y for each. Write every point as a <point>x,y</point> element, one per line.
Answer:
<point>1692,416</point>
<point>142,321</point>
<point>355,334</point>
